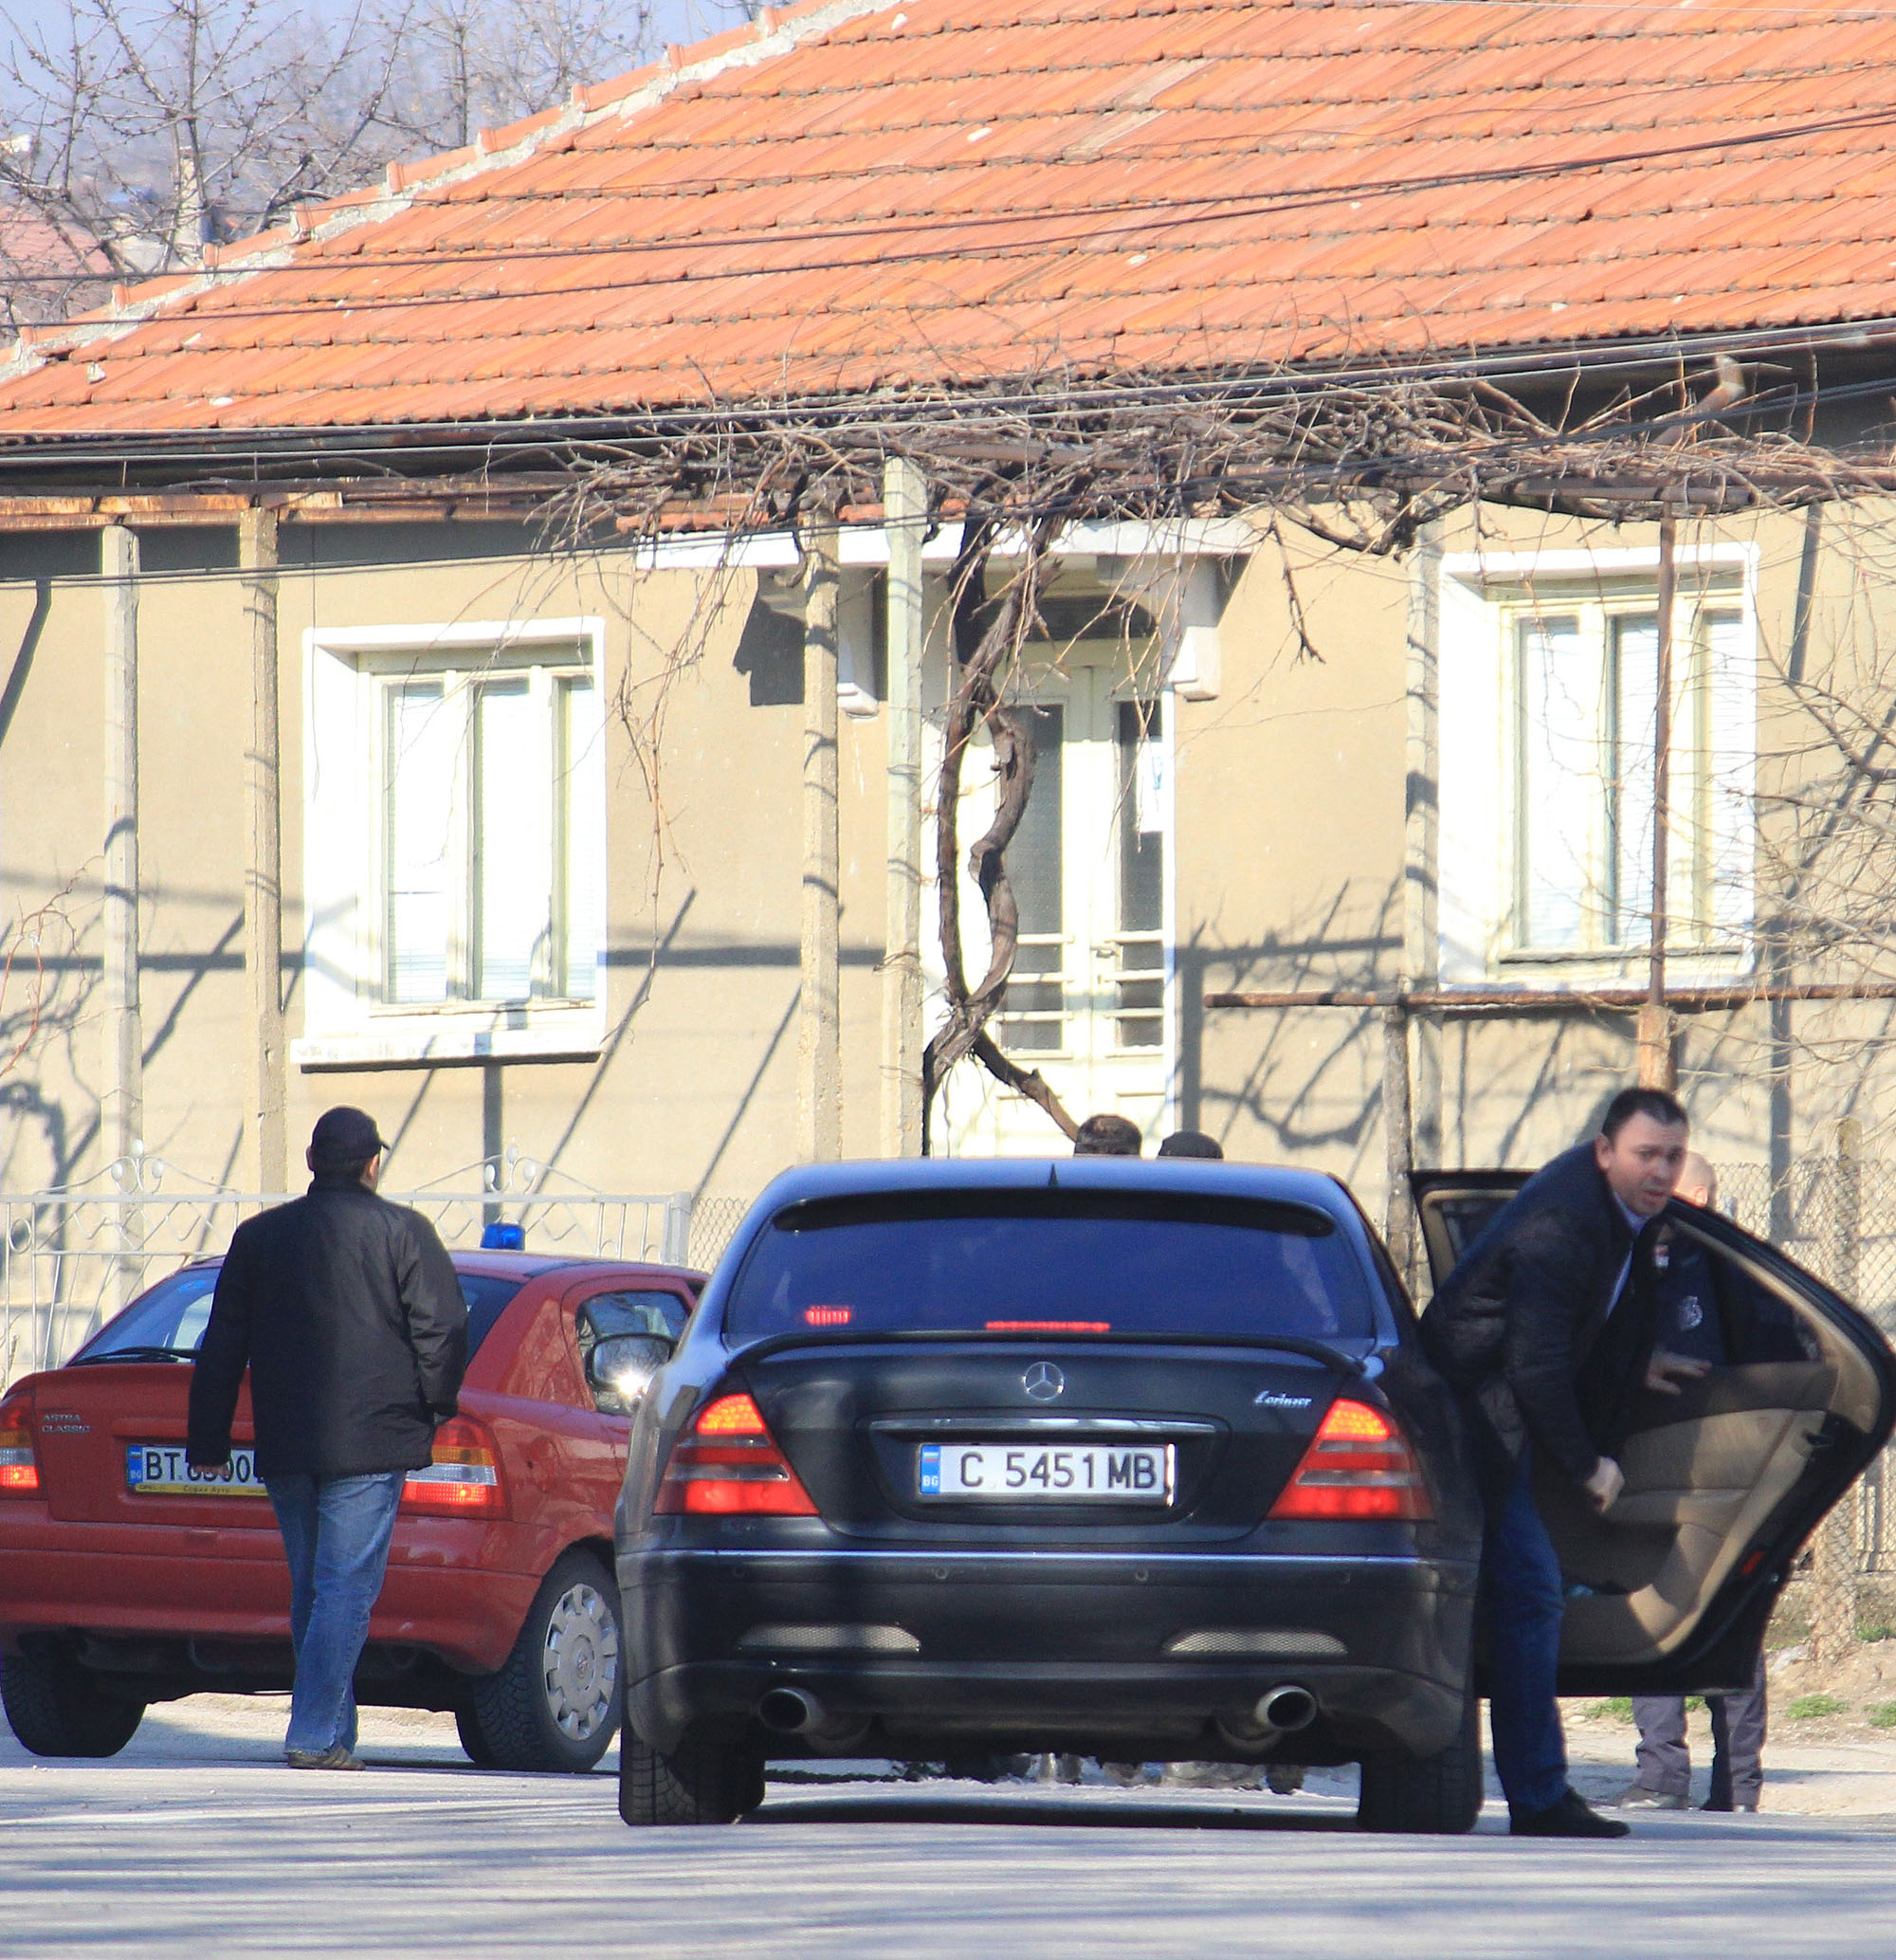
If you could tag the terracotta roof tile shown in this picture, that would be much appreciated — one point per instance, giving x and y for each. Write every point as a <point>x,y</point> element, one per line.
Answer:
<point>932,193</point>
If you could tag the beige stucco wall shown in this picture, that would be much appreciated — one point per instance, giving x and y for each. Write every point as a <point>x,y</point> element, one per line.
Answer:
<point>1292,813</point>
<point>695,1088</point>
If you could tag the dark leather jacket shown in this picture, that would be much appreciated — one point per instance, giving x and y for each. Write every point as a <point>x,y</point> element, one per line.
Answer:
<point>1521,1327</point>
<point>347,1310</point>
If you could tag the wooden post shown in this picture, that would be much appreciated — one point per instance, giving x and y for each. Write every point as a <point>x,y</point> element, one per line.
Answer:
<point>262,881</point>
<point>819,1042</point>
<point>123,1101</point>
<point>1658,1061</point>
<point>904,509</point>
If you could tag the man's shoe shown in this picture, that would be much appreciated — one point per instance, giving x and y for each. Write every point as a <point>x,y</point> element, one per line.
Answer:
<point>1744,1810</point>
<point>1572,1817</point>
<point>334,1757</point>
<point>1639,1798</point>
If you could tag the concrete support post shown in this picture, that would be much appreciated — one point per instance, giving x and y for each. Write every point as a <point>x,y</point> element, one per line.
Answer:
<point>1417,1040</point>
<point>122,1110</point>
<point>819,1038</point>
<point>262,877</point>
<point>904,510</point>
<point>1398,1156</point>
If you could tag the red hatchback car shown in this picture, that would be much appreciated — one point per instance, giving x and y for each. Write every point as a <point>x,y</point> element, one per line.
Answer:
<point>128,1578</point>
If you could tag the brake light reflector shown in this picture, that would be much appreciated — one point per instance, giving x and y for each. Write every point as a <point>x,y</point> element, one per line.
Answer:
<point>1048,1326</point>
<point>1359,1465</point>
<point>464,1479</point>
<point>729,1466</point>
<point>19,1473</point>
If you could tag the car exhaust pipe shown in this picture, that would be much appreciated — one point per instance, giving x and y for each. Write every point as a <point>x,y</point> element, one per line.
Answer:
<point>1286,1709</point>
<point>790,1711</point>
<point>797,1712</point>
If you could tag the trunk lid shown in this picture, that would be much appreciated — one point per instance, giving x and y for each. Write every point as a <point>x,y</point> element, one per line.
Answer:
<point>857,1417</point>
<point>89,1419</point>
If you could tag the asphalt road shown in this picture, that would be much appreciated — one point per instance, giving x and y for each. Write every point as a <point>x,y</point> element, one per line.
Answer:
<point>196,1841</point>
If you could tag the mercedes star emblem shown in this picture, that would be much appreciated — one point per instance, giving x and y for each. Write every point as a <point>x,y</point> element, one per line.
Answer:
<point>1043,1381</point>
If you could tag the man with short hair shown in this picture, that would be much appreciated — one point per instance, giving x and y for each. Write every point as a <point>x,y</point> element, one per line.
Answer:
<point>1108,1135</point>
<point>348,1313</point>
<point>1191,1143</point>
<point>1544,1332</point>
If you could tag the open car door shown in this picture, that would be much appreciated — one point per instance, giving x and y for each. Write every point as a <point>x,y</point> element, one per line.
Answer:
<point>1670,1591</point>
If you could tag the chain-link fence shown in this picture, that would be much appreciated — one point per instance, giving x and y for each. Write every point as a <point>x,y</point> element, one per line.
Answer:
<point>1836,1217</point>
<point>71,1257</point>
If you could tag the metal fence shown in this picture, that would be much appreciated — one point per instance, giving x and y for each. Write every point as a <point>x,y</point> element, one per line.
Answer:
<point>1836,1215</point>
<point>71,1257</point>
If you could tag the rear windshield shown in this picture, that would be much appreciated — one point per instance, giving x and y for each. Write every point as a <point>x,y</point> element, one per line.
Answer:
<point>1027,1263</point>
<point>172,1316</point>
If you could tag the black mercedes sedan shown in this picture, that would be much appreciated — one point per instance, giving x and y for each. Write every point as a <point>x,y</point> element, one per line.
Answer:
<point>1143,1460</point>
<point>1136,1459</point>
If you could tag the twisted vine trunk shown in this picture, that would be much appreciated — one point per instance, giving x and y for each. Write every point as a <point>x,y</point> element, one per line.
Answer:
<point>983,657</point>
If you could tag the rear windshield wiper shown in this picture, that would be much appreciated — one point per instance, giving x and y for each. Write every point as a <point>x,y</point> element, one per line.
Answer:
<point>85,1360</point>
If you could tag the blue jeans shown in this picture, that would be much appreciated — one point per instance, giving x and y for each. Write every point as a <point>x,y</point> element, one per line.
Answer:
<point>1526,1600</point>
<point>336,1537</point>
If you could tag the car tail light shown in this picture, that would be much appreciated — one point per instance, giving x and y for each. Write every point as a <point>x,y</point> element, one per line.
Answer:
<point>464,1479</point>
<point>729,1465</point>
<point>19,1473</point>
<point>1359,1465</point>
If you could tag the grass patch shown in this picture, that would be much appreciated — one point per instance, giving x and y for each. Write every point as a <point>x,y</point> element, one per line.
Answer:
<point>1694,1703</point>
<point>1808,1707</point>
<point>1873,1633</point>
<point>1882,1715</point>
<point>1618,1710</point>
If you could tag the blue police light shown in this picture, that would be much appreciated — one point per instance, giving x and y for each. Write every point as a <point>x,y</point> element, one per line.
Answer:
<point>503,1238</point>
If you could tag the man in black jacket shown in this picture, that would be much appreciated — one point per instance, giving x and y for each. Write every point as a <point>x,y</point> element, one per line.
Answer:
<point>1544,1329</point>
<point>347,1312</point>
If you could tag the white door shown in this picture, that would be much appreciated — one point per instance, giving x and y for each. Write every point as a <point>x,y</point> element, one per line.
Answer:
<point>1087,1003</point>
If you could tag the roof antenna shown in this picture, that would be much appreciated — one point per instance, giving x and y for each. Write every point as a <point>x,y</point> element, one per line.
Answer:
<point>1053,1177</point>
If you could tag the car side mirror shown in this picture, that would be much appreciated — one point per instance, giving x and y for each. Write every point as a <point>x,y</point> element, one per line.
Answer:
<point>619,1371</point>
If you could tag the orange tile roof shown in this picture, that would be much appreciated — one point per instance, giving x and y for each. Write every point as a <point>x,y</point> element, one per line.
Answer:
<point>940,192</point>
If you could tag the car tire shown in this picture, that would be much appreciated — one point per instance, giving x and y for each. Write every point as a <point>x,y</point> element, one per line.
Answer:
<point>467,1726</point>
<point>58,1708</point>
<point>1440,1793</point>
<point>715,1775</point>
<point>555,1704</point>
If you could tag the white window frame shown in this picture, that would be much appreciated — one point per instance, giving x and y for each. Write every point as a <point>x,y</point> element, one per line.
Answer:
<point>347,676</point>
<point>1484,599</point>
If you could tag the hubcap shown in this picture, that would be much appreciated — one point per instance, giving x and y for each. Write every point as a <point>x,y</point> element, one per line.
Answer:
<point>581,1662</point>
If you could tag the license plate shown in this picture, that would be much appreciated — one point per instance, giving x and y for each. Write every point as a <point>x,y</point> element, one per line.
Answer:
<point>159,1470</point>
<point>1075,1474</point>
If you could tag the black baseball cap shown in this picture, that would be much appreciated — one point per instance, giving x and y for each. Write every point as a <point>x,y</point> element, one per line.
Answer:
<point>343,1135</point>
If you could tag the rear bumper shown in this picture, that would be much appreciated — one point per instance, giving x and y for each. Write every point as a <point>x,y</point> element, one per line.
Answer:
<point>1053,1651</point>
<point>92,1583</point>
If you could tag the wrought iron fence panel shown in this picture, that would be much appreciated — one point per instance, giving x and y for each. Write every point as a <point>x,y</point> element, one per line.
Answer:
<point>71,1257</point>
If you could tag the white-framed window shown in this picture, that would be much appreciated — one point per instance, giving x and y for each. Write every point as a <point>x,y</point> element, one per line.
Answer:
<point>455,842</point>
<point>1548,730</point>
